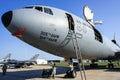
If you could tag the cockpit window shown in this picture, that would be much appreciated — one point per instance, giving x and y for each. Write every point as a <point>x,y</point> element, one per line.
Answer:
<point>29,7</point>
<point>39,8</point>
<point>48,11</point>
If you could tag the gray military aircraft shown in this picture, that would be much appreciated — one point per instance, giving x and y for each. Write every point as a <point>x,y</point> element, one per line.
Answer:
<point>24,63</point>
<point>52,30</point>
<point>5,59</point>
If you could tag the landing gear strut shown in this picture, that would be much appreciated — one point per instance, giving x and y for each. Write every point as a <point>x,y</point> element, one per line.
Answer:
<point>93,64</point>
<point>71,73</point>
<point>110,64</point>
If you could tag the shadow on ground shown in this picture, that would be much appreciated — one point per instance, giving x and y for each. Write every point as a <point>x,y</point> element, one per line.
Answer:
<point>113,70</point>
<point>30,74</point>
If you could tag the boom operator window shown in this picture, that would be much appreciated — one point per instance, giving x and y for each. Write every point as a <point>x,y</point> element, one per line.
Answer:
<point>48,11</point>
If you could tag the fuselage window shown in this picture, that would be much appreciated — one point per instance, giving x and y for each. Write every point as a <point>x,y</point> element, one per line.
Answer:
<point>39,8</point>
<point>29,7</point>
<point>48,11</point>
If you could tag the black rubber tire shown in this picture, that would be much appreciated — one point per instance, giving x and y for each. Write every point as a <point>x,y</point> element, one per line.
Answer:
<point>73,74</point>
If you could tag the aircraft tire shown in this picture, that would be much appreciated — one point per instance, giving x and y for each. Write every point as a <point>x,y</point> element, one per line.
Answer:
<point>73,72</point>
<point>70,74</point>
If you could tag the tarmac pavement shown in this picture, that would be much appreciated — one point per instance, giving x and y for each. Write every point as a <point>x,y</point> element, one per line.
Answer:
<point>34,73</point>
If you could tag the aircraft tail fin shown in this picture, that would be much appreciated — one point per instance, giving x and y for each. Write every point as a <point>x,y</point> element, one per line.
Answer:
<point>7,57</point>
<point>34,57</point>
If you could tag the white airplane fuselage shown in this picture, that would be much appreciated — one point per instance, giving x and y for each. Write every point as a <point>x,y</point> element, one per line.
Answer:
<point>50,32</point>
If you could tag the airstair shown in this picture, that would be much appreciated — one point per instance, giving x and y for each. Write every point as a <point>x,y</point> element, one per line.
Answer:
<point>78,55</point>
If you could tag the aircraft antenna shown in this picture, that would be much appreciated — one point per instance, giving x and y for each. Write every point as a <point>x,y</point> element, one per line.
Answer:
<point>114,36</point>
<point>114,40</point>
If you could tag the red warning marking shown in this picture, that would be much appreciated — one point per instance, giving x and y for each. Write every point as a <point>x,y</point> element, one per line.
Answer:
<point>19,32</point>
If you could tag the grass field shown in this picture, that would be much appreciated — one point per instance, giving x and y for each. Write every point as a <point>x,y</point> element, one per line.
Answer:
<point>63,63</point>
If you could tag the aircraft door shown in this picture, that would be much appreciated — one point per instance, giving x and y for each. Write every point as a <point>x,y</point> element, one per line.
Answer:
<point>71,28</point>
<point>70,22</point>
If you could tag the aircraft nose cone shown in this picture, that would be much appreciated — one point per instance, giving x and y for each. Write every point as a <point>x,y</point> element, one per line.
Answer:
<point>6,18</point>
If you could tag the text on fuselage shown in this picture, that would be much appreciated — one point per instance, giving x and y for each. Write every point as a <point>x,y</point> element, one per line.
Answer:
<point>49,36</point>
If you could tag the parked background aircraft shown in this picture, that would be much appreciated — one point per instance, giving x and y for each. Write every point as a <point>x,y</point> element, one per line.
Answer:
<point>22,63</point>
<point>5,59</point>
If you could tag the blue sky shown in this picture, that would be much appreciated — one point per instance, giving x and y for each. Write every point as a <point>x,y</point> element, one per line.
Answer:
<point>106,10</point>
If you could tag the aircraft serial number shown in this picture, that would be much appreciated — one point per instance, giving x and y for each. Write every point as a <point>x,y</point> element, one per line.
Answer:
<point>49,36</point>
